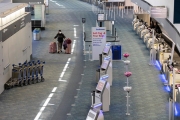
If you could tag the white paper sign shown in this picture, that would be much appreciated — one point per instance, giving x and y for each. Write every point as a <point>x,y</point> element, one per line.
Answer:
<point>98,41</point>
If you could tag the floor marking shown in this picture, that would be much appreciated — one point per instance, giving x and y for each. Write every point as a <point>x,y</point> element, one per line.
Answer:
<point>82,74</point>
<point>73,105</point>
<point>75,96</point>
<point>54,89</point>
<point>68,113</point>
<point>63,80</point>
<point>78,89</point>
<point>51,104</point>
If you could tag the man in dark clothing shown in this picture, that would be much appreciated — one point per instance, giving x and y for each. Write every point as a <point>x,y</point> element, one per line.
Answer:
<point>60,38</point>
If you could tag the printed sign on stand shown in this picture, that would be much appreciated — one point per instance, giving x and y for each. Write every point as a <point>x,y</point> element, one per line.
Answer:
<point>98,41</point>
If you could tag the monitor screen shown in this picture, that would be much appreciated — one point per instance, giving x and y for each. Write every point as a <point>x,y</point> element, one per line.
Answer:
<point>100,16</point>
<point>105,64</point>
<point>91,115</point>
<point>100,85</point>
<point>106,49</point>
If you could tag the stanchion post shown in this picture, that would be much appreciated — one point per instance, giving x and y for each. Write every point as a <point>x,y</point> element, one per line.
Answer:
<point>114,13</point>
<point>173,105</point>
<point>89,52</point>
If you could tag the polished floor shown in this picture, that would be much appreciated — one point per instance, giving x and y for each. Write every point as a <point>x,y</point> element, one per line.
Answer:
<point>66,93</point>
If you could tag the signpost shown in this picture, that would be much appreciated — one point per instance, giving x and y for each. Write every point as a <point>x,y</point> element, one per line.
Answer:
<point>98,41</point>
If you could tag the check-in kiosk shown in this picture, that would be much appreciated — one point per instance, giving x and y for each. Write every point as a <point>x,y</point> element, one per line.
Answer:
<point>107,51</point>
<point>95,112</point>
<point>106,68</point>
<point>15,38</point>
<point>38,11</point>
<point>102,93</point>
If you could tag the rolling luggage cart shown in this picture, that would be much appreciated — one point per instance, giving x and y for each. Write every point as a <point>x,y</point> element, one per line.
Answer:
<point>32,73</point>
<point>41,67</point>
<point>25,70</point>
<point>36,72</point>
<point>17,73</point>
<point>29,80</point>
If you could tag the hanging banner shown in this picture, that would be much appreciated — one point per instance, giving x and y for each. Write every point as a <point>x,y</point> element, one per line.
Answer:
<point>98,41</point>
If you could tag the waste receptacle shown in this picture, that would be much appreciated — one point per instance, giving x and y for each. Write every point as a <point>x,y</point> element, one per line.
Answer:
<point>93,97</point>
<point>37,34</point>
<point>116,52</point>
<point>97,75</point>
<point>100,59</point>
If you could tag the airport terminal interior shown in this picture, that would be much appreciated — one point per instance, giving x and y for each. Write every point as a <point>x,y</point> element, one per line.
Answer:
<point>123,62</point>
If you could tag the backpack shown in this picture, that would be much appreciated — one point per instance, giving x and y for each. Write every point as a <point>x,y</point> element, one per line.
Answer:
<point>64,45</point>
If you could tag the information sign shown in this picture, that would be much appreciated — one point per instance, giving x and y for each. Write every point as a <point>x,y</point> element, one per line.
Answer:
<point>100,16</point>
<point>98,41</point>
<point>83,20</point>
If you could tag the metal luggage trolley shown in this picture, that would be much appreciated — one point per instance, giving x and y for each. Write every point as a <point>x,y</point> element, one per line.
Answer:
<point>41,67</point>
<point>39,71</point>
<point>17,73</point>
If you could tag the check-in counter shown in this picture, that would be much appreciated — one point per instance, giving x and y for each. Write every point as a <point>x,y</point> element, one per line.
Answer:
<point>38,18</point>
<point>15,38</point>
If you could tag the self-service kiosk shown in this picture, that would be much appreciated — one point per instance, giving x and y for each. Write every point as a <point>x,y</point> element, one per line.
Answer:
<point>106,51</point>
<point>102,93</point>
<point>106,68</point>
<point>95,112</point>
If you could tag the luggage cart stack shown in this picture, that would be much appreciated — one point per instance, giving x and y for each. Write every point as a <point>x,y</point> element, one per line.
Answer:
<point>26,74</point>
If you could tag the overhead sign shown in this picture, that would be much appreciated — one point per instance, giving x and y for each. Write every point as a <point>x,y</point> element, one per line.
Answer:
<point>158,12</point>
<point>98,41</point>
<point>100,17</point>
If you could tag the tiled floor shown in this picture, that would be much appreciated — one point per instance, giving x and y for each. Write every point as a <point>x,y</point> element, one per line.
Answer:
<point>148,99</point>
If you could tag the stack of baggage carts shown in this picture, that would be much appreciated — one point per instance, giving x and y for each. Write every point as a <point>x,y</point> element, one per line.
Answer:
<point>26,74</point>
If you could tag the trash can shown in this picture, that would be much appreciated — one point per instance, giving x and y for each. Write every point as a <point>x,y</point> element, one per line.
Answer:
<point>93,97</point>
<point>97,75</point>
<point>100,59</point>
<point>37,34</point>
<point>116,52</point>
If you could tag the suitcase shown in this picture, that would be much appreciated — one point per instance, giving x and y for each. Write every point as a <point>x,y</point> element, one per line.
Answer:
<point>116,52</point>
<point>52,47</point>
<point>68,49</point>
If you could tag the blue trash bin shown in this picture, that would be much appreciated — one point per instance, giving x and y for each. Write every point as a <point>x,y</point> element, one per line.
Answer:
<point>116,52</point>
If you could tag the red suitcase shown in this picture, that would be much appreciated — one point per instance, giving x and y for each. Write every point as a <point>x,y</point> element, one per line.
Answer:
<point>52,47</point>
<point>68,49</point>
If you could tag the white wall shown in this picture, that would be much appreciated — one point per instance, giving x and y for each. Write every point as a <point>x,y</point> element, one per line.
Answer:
<point>170,5</point>
<point>11,51</point>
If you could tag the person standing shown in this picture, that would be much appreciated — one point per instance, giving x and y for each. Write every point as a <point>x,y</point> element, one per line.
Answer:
<point>60,38</point>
